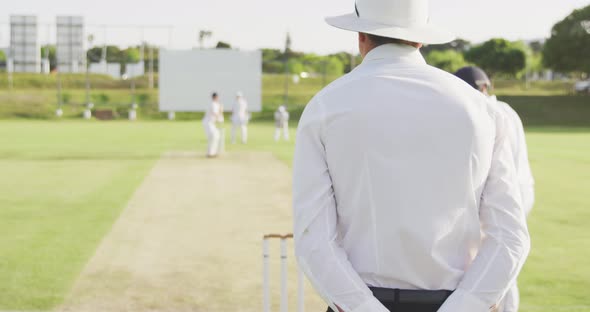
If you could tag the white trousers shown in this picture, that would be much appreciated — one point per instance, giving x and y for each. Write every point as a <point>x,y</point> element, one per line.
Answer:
<point>244,132</point>
<point>213,137</point>
<point>284,130</point>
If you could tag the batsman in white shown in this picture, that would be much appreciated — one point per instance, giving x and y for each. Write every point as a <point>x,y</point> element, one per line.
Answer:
<point>479,80</point>
<point>213,115</point>
<point>240,118</point>
<point>282,123</point>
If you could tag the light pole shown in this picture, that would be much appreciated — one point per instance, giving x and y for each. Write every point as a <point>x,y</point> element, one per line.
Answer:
<point>204,34</point>
<point>9,70</point>
<point>133,107</point>
<point>59,112</point>
<point>324,72</point>
<point>89,105</point>
<point>151,75</point>
<point>287,73</point>
<point>45,63</point>
<point>10,67</point>
<point>103,56</point>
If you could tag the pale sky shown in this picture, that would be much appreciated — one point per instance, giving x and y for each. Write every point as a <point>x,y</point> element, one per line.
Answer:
<point>253,24</point>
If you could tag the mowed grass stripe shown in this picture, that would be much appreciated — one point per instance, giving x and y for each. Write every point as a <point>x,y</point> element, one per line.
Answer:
<point>53,215</point>
<point>62,187</point>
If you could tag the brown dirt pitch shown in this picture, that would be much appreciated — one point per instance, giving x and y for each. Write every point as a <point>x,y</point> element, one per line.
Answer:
<point>190,240</point>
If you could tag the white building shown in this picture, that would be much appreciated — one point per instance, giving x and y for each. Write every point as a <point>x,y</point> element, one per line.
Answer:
<point>135,69</point>
<point>104,68</point>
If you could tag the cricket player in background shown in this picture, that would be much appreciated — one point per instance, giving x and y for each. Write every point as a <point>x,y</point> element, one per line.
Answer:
<point>240,118</point>
<point>282,123</point>
<point>213,115</point>
<point>479,80</point>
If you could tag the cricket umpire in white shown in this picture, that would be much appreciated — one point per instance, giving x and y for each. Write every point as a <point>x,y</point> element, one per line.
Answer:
<point>480,81</point>
<point>405,193</point>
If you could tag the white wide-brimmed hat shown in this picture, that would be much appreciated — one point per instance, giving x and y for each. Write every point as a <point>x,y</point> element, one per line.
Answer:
<point>398,19</point>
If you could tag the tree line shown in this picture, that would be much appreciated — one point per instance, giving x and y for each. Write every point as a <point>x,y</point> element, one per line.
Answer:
<point>566,51</point>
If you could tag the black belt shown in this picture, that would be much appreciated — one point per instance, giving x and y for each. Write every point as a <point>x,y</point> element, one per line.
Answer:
<point>411,296</point>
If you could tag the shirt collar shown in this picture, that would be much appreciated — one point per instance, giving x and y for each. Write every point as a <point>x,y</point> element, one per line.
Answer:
<point>400,52</point>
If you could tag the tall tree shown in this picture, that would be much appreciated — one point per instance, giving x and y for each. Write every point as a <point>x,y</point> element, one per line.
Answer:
<point>288,43</point>
<point>94,54</point>
<point>333,66</point>
<point>537,46</point>
<point>459,45</point>
<point>346,58</point>
<point>295,66</point>
<point>568,49</point>
<point>272,61</point>
<point>448,60</point>
<point>130,55</point>
<point>52,55</point>
<point>498,56</point>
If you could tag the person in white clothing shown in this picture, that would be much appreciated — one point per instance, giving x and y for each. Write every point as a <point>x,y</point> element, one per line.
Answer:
<point>480,81</point>
<point>282,123</point>
<point>405,194</point>
<point>240,118</point>
<point>213,115</point>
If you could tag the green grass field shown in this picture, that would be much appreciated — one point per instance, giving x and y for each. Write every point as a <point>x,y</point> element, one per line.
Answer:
<point>557,273</point>
<point>64,184</point>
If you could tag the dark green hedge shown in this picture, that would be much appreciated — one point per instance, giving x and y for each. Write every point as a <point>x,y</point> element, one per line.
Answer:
<point>551,110</point>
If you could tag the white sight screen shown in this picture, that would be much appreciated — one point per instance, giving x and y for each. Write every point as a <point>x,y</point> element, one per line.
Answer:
<point>71,55</point>
<point>24,44</point>
<point>188,78</point>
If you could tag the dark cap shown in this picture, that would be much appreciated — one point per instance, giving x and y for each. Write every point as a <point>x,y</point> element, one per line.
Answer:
<point>474,76</point>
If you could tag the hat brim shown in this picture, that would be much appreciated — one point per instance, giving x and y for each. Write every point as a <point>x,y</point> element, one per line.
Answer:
<point>427,34</point>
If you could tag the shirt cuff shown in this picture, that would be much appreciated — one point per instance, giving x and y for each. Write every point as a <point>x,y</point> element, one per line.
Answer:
<point>462,301</point>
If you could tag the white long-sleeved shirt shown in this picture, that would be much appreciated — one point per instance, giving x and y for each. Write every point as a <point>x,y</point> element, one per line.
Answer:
<point>526,182</point>
<point>214,113</point>
<point>404,178</point>
<point>519,149</point>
